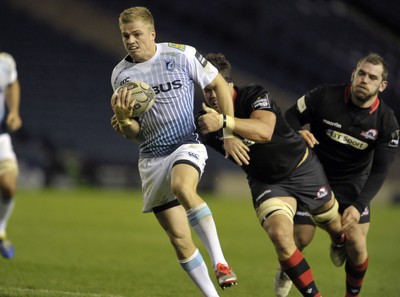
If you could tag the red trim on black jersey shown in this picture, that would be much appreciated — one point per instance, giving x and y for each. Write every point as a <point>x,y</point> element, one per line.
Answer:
<point>373,107</point>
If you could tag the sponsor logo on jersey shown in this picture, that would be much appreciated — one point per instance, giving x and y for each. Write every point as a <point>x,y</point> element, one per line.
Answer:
<point>394,142</point>
<point>370,134</point>
<point>333,124</point>
<point>322,192</point>
<point>170,64</point>
<point>262,102</point>
<point>176,84</point>
<point>178,46</point>
<point>346,139</point>
<point>124,81</point>
<point>201,59</point>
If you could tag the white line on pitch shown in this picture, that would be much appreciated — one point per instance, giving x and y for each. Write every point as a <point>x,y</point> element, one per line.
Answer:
<point>62,292</point>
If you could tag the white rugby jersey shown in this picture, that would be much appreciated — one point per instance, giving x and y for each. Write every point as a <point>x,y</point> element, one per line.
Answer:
<point>171,72</point>
<point>8,75</point>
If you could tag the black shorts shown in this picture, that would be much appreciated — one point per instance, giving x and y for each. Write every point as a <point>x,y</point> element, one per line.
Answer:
<point>307,183</point>
<point>345,192</point>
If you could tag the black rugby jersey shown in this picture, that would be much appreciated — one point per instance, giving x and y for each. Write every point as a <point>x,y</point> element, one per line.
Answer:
<point>271,161</point>
<point>353,141</point>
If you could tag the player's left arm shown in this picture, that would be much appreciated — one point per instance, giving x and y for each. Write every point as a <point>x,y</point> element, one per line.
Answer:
<point>383,159</point>
<point>13,93</point>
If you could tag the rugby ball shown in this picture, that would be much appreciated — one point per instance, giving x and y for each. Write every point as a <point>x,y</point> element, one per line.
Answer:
<point>142,93</point>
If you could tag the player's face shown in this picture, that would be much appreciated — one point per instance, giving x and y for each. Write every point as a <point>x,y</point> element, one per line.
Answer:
<point>367,83</point>
<point>211,98</point>
<point>138,40</point>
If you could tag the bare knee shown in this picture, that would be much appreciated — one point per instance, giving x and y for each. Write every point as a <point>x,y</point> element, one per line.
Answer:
<point>280,232</point>
<point>303,234</point>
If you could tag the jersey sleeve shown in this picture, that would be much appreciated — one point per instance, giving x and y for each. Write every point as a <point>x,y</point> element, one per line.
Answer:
<point>300,113</point>
<point>12,73</point>
<point>202,71</point>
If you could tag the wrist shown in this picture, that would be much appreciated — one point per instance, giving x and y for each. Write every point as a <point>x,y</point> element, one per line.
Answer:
<point>359,206</point>
<point>228,125</point>
<point>226,121</point>
<point>124,123</point>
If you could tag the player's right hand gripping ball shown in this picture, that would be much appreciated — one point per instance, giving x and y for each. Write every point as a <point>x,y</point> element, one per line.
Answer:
<point>143,94</point>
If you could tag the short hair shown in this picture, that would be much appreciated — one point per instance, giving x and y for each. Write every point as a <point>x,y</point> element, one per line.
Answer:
<point>375,59</point>
<point>137,13</point>
<point>222,64</point>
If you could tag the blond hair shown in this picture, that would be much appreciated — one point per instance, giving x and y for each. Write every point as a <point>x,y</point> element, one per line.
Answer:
<point>137,13</point>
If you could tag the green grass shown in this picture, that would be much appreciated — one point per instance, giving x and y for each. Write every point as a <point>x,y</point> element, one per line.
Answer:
<point>97,243</point>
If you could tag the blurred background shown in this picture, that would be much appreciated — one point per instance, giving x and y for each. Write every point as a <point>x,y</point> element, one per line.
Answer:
<point>66,49</point>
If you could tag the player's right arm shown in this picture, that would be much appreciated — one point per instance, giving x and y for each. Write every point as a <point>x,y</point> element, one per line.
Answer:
<point>122,105</point>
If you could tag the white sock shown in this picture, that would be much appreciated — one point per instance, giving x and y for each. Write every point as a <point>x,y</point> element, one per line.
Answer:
<point>6,209</point>
<point>197,271</point>
<point>200,218</point>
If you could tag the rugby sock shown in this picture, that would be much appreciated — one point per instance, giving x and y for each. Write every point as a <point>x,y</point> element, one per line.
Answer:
<point>197,271</point>
<point>6,209</point>
<point>355,277</point>
<point>298,270</point>
<point>202,222</point>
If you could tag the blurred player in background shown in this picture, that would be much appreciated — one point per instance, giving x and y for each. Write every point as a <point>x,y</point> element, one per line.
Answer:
<point>282,172</point>
<point>10,122</point>
<point>356,137</point>
<point>172,159</point>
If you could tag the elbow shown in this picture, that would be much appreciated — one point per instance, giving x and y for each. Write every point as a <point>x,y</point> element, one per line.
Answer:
<point>264,137</point>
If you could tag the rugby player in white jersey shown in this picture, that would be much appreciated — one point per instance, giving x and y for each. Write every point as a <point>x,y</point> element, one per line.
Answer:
<point>10,120</point>
<point>171,157</point>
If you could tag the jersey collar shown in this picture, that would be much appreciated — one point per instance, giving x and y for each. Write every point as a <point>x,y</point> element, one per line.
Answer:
<point>372,108</point>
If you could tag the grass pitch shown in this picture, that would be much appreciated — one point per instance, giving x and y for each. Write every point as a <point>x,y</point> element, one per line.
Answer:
<point>97,243</point>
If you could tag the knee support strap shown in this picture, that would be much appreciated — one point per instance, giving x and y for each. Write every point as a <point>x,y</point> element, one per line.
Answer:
<point>327,216</point>
<point>273,207</point>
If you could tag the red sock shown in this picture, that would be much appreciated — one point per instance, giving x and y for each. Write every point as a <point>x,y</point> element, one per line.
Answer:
<point>298,270</point>
<point>355,277</point>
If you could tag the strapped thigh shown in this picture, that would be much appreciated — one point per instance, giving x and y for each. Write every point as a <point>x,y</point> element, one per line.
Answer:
<point>274,206</point>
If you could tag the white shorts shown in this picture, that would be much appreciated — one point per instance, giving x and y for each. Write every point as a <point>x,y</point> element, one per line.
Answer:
<point>6,148</point>
<point>8,160</point>
<point>155,173</point>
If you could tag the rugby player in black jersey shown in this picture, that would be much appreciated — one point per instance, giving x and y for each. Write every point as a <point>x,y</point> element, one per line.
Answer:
<point>282,172</point>
<point>355,136</point>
